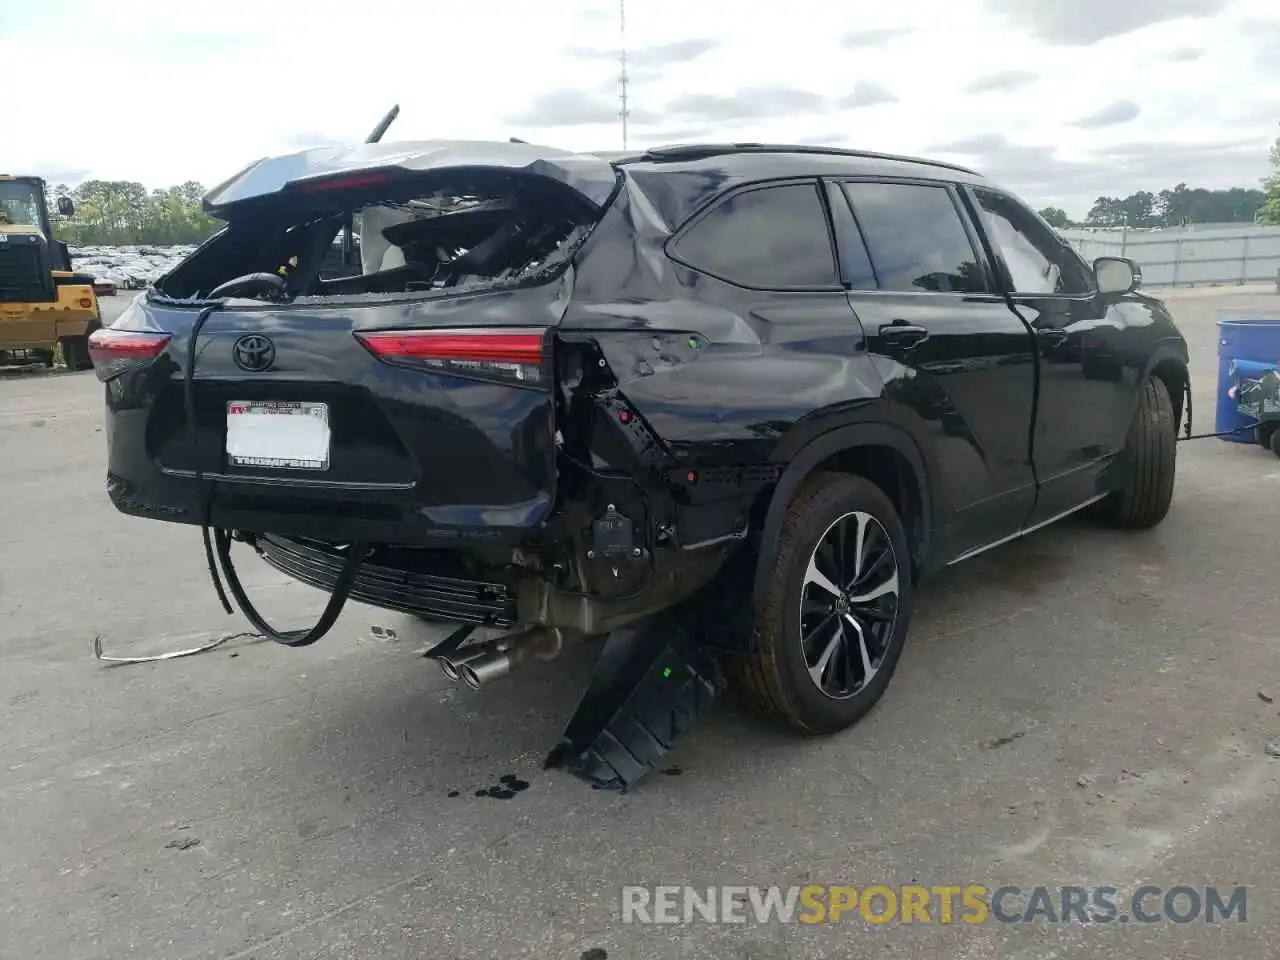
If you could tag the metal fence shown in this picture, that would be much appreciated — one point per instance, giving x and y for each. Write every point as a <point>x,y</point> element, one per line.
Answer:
<point>1186,256</point>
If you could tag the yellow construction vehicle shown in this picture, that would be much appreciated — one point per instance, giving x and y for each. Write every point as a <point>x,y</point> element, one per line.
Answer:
<point>44,304</point>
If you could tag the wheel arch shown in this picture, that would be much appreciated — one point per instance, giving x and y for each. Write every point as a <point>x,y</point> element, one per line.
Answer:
<point>885,455</point>
<point>1168,363</point>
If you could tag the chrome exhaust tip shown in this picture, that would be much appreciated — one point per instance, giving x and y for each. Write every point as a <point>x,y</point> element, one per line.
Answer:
<point>451,667</point>
<point>498,658</point>
<point>485,669</point>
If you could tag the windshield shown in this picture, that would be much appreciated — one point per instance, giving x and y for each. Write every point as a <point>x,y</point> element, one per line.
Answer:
<point>19,204</point>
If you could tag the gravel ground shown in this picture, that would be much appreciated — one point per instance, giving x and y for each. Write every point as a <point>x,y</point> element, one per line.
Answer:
<point>1080,707</point>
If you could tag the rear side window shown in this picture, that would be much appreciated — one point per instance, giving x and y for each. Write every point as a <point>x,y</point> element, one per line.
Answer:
<point>916,238</point>
<point>772,238</point>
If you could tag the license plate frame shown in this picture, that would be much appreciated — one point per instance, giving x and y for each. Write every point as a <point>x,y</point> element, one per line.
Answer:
<point>278,435</point>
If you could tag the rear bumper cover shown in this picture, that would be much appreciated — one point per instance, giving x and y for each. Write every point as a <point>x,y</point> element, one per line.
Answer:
<point>379,515</point>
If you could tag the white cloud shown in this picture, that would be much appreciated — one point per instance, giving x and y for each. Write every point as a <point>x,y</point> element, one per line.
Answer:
<point>170,92</point>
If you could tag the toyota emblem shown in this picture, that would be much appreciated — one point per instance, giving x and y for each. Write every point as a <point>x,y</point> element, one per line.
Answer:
<point>254,353</point>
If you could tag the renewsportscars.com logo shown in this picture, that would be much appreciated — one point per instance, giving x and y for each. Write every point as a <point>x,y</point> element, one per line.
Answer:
<point>941,904</point>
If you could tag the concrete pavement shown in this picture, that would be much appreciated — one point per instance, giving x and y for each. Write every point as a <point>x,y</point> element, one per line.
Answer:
<point>1081,707</point>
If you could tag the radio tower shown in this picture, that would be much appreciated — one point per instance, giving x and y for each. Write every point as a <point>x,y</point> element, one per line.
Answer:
<point>624,113</point>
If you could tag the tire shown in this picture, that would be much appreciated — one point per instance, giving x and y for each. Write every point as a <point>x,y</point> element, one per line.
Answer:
<point>1274,442</point>
<point>775,674</point>
<point>1149,459</point>
<point>1262,434</point>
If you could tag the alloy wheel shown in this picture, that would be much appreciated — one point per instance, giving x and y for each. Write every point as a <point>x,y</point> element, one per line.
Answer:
<point>848,604</point>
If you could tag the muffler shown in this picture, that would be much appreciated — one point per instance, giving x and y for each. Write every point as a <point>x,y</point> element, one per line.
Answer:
<point>501,656</point>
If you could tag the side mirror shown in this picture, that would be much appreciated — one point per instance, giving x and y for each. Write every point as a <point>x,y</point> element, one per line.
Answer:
<point>1116,276</point>
<point>66,207</point>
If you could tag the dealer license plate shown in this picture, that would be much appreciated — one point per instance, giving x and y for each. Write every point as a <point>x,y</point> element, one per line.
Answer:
<point>278,434</point>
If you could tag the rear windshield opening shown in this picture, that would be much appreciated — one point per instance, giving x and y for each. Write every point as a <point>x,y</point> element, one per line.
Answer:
<point>488,231</point>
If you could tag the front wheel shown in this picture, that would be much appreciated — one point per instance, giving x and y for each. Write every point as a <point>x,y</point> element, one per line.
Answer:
<point>833,615</point>
<point>1149,460</point>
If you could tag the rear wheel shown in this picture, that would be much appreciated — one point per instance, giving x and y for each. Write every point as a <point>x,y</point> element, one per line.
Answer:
<point>833,615</point>
<point>1149,461</point>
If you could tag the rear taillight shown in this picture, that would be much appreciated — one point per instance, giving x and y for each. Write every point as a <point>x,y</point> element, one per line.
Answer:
<point>113,352</point>
<point>515,356</point>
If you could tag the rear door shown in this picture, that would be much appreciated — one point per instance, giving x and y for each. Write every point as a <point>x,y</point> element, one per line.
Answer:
<point>1082,413</point>
<point>781,341</point>
<point>958,364</point>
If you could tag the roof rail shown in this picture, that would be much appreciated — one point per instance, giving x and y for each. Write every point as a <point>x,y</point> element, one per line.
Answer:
<point>699,151</point>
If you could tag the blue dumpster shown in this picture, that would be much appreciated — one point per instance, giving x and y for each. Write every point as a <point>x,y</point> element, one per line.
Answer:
<point>1247,347</point>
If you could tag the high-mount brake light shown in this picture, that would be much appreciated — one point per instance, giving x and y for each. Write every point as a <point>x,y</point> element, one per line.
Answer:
<point>115,351</point>
<point>344,181</point>
<point>501,354</point>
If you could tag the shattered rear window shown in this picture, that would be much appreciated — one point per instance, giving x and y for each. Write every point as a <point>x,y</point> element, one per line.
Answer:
<point>506,231</point>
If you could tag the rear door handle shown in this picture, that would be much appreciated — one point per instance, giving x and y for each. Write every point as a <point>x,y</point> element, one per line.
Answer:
<point>904,334</point>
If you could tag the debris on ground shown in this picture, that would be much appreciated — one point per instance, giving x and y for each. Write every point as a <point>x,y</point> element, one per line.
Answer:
<point>1266,698</point>
<point>173,654</point>
<point>508,786</point>
<point>1004,741</point>
<point>1273,748</point>
<point>182,843</point>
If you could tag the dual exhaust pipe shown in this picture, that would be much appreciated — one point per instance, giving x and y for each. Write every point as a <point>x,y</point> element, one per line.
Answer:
<point>495,659</point>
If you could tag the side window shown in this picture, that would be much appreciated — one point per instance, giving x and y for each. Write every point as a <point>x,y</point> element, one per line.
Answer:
<point>1038,261</point>
<point>916,238</point>
<point>771,238</point>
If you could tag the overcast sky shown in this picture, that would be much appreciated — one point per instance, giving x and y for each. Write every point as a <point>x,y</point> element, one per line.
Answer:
<point>1062,100</point>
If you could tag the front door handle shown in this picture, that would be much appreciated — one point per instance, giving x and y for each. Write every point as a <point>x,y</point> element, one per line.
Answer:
<point>904,334</point>
<point>1051,336</point>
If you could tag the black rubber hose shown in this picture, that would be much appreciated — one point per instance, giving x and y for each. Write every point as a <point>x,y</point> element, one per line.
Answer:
<point>221,539</point>
<point>205,493</point>
<point>291,638</point>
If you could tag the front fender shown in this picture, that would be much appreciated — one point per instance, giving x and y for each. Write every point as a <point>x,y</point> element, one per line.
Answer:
<point>1172,358</point>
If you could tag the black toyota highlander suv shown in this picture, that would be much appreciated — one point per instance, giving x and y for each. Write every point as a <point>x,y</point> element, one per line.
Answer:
<point>554,395</point>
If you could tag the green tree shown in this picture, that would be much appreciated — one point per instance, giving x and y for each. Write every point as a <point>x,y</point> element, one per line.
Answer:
<point>1055,217</point>
<point>1171,207</point>
<point>122,212</point>
<point>1105,212</point>
<point>1139,209</point>
<point>1270,212</point>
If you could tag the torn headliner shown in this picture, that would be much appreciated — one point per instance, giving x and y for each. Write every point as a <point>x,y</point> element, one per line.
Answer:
<point>592,177</point>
